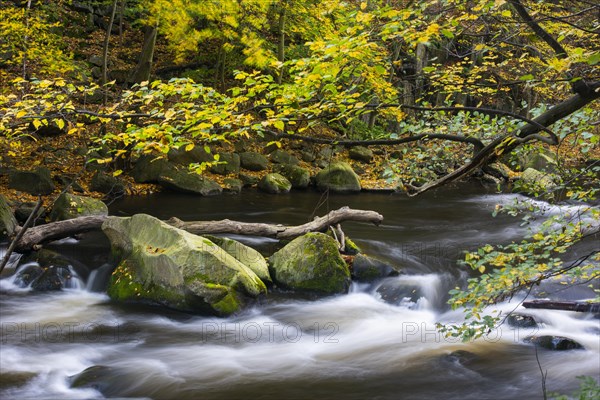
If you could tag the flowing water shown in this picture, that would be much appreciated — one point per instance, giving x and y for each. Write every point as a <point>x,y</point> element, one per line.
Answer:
<point>354,346</point>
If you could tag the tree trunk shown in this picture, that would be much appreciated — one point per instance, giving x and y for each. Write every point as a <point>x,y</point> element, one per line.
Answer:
<point>281,43</point>
<point>33,237</point>
<point>105,52</point>
<point>144,65</point>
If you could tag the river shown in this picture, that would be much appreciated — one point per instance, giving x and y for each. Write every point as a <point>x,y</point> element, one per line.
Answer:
<point>354,346</point>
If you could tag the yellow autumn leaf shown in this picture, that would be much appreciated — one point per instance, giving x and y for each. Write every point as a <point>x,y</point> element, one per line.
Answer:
<point>482,269</point>
<point>189,147</point>
<point>60,123</point>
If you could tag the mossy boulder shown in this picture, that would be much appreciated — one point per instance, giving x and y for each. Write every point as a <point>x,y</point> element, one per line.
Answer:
<point>148,168</point>
<point>244,254</point>
<point>182,180</point>
<point>533,181</point>
<point>229,163</point>
<point>298,176</point>
<point>196,155</point>
<point>69,206</point>
<point>163,265</point>
<point>283,157</point>
<point>311,263</point>
<point>274,184</point>
<point>338,177</point>
<point>367,269</point>
<point>253,161</point>
<point>37,182</point>
<point>233,185</point>
<point>361,153</point>
<point>24,210</point>
<point>107,184</point>
<point>8,223</point>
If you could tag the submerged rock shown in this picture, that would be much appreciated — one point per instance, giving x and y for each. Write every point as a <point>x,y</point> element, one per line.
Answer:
<point>397,292</point>
<point>69,206</point>
<point>312,263</point>
<point>521,321</point>
<point>367,269</point>
<point>338,177</point>
<point>163,265</point>
<point>554,342</point>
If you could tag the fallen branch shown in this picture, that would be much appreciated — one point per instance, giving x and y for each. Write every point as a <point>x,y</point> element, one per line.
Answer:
<point>38,235</point>
<point>563,305</point>
<point>319,224</point>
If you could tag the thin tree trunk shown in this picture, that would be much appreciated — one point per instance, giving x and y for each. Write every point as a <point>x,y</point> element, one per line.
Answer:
<point>144,65</point>
<point>281,43</point>
<point>121,12</point>
<point>105,52</point>
<point>25,39</point>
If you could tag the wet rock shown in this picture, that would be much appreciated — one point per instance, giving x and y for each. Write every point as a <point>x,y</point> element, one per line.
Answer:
<point>27,273</point>
<point>8,223</point>
<point>274,184</point>
<point>98,377</point>
<point>521,321</point>
<point>499,170</point>
<point>253,161</point>
<point>12,379</point>
<point>148,168</point>
<point>52,278</point>
<point>69,206</point>
<point>554,342</point>
<point>462,357</point>
<point>298,176</point>
<point>182,180</point>
<point>107,184</point>
<point>308,155</point>
<point>163,265</point>
<point>37,182</point>
<point>46,258</point>
<point>396,292</point>
<point>338,177</point>
<point>229,163</point>
<point>244,254</point>
<point>368,269</point>
<point>539,159</point>
<point>361,153</point>
<point>311,263</point>
<point>283,157</point>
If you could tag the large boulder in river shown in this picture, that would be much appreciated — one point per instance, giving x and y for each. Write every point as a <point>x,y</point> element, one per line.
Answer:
<point>38,182</point>
<point>182,180</point>
<point>163,265</point>
<point>244,254</point>
<point>338,177</point>
<point>533,181</point>
<point>8,223</point>
<point>311,263</point>
<point>69,206</point>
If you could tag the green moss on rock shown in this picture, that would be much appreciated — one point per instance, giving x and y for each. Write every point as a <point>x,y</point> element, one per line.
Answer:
<point>311,263</point>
